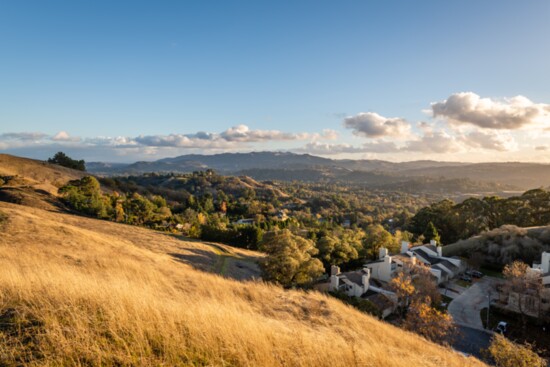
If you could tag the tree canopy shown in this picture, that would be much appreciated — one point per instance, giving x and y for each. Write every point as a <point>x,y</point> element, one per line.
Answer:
<point>64,160</point>
<point>289,258</point>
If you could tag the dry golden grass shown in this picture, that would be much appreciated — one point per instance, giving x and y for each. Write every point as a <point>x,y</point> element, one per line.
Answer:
<point>38,174</point>
<point>77,291</point>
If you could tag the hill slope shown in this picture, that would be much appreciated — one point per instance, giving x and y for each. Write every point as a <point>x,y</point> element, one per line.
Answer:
<point>80,291</point>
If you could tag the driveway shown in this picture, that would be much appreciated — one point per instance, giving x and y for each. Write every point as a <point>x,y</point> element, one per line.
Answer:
<point>465,308</point>
<point>472,341</point>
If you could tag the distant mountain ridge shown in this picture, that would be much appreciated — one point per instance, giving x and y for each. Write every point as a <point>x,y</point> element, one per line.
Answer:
<point>291,166</point>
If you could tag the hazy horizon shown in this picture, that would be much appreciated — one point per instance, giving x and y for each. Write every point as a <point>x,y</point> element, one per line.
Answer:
<point>394,81</point>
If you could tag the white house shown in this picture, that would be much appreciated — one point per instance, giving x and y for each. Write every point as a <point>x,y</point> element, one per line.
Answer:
<point>443,268</point>
<point>244,221</point>
<point>358,284</point>
<point>353,283</point>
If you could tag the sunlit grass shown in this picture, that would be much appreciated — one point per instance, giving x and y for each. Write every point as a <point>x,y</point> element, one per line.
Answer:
<point>77,291</point>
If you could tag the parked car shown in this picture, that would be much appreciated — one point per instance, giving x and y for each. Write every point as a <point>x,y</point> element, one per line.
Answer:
<point>502,327</point>
<point>477,274</point>
<point>466,278</point>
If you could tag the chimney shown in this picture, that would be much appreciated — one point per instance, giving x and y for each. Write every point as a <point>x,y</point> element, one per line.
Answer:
<point>433,242</point>
<point>440,251</point>
<point>545,262</point>
<point>334,270</point>
<point>383,252</point>
<point>366,278</point>
<point>404,247</point>
<point>334,282</point>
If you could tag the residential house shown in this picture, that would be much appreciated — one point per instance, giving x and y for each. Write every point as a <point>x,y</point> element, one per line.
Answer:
<point>359,284</point>
<point>245,221</point>
<point>443,268</point>
<point>534,300</point>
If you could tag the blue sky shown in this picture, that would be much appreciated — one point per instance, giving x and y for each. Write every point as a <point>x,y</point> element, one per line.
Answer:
<point>127,80</point>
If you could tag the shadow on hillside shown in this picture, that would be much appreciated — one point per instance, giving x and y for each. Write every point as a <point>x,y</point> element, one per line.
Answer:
<point>238,268</point>
<point>199,259</point>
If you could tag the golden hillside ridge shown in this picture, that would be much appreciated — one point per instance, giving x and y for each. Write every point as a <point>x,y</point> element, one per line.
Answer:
<point>40,175</point>
<point>79,291</point>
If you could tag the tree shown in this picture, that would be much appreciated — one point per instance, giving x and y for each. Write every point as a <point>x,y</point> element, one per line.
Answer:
<point>376,237</point>
<point>403,287</point>
<point>85,196</point>
<point>62,159</point>
<point>333,251</point>
<point>429,322</point>
<point>508,354</point>
<point>431,233</point>
<point>522,286</point>
<point>289,258</point>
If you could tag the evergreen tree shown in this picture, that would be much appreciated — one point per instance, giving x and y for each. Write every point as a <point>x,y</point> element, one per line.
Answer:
<point>431,233</point>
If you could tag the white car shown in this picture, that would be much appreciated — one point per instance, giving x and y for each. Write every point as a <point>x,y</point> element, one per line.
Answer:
<point>501,327</point>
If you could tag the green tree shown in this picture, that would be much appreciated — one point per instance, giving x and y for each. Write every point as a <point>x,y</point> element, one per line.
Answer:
<point>333,251</point>
<point>375,238</point>
<point>62,159</point>
<point>289,258</point>
<point>85,196</point>
<point>431,233</point>
<point>138,209</point>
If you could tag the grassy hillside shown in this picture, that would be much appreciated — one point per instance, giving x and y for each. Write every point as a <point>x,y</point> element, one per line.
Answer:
<point>33,183</point>
<point>77,291</point>
<point>36,174</point>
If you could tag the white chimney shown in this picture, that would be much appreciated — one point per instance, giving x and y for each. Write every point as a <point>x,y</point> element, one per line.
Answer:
<point>404,247</point>
<point>366,278</point>
<point>334,282</point>
<point>334,270</point>
<point>440,251</point>
<point>383,252</point>
<point>433,242</point>
<point>545,262</point>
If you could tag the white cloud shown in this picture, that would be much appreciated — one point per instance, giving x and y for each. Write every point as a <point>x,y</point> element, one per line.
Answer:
<point>508,114</point>
<point>499,141</point>
<point>373,125</point>
<point>23,136</point>
<point>64,136</point>
<point>334,149</point>
<point>434,142</point>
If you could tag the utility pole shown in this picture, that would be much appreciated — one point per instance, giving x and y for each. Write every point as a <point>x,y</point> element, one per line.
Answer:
<point>488,309</point>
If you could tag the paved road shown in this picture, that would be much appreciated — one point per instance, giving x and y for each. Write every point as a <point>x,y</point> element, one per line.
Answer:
<point>465,308</point>
<point>472,341</point>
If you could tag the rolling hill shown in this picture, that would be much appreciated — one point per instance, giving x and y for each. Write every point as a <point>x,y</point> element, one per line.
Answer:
<point>506,176</point>
<point>77,291</point>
